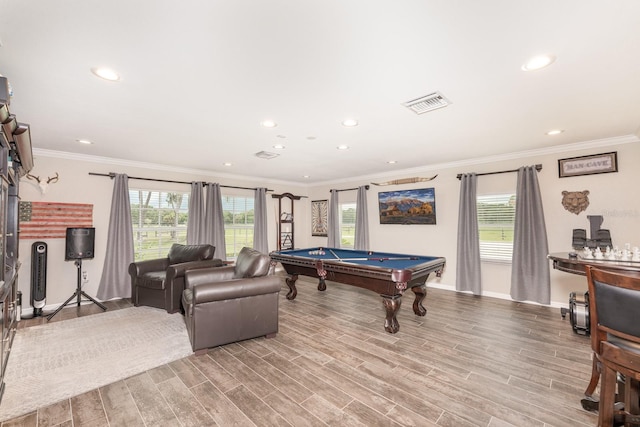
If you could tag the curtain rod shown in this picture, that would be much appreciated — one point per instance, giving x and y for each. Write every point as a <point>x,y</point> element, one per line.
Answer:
<point>538,168</point>
<point>112,175</point>
<point>366,187</point>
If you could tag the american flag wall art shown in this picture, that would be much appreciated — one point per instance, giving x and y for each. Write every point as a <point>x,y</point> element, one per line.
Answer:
<point>50,220</point>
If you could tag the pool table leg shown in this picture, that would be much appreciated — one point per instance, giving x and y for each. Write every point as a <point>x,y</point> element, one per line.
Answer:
<point>322,274</point>
<point>391,306</point>
<point>291,283</point>
<point>421,293</point>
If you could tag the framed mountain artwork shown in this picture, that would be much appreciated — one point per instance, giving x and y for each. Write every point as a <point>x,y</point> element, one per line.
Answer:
<point>408,206</point>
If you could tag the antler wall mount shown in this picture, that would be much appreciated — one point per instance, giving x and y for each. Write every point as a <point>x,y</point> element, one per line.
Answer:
<point>42,183</point>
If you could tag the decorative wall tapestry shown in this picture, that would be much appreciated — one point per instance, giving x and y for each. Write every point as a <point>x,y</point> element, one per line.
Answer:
<point>319,213</point>
<point>50,220</point>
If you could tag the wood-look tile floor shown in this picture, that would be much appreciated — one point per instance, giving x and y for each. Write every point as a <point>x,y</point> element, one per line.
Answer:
<point>471,361</point>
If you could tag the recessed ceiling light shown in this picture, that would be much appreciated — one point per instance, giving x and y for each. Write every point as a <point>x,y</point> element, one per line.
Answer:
<point>350,123</point>
<point>84,141</point>
<point>392,162</point>
<point>226,164</point>
<point>555,132</point>
<point>305,176</point>
<point>106,73</point>
<point>538,62</point>
<point>279,147</point>
<point>342,147</point>
<point>269,124</point>
<point>281,136</point>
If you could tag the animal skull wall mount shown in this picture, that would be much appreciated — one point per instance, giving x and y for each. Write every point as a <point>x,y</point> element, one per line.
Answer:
<point>575,201</point>
<point>44,184</point>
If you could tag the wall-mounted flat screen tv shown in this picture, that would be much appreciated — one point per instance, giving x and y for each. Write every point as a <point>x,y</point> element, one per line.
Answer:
<point>408,206</point>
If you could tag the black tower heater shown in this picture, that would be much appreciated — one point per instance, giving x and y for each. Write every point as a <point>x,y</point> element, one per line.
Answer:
<point>38,277</point>
<point>79,245</point>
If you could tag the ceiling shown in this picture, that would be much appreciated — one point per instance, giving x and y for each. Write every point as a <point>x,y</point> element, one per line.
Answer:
<point>199,76</point>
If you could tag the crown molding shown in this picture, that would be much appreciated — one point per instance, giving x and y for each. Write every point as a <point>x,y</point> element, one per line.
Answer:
<point>154,166</point>
<point>598,143</point>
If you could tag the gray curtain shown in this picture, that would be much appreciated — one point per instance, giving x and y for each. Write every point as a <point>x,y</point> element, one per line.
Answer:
<point>115,282</point>
<point>214,220</point>
<point>195,221</point>
<point>362,220</point>
<point>333,221</point>
<point>260,237</point>
<point>468,271</point>
<point>530,279</point>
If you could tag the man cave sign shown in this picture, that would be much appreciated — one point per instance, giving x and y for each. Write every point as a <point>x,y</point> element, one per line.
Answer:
<point>575,201</point>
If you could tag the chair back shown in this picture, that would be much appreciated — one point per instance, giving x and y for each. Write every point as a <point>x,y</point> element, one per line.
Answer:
<point>614,306</point>
<point>187,253</point>
<point>251,263</point>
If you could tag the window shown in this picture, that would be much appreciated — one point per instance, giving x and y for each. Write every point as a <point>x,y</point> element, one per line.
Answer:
<point>159,219</point>
<point>238,223</point>
<point>347,225</point>
<point>496,218</point>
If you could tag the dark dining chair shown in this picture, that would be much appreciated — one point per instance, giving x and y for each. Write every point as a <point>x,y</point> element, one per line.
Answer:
<point>614,305</point>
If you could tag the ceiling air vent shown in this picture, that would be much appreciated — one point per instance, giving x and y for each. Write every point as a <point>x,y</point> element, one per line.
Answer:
<point>266,155</point>
<point>427,103</point>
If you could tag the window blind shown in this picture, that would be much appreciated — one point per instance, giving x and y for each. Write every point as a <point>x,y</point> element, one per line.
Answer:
<point>496,218</point>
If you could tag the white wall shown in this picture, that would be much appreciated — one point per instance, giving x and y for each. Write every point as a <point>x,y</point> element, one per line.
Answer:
<point>77,186</point>
<point>613,195</point>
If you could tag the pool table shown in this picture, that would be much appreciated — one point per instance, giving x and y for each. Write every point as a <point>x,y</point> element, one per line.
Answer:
<point>388,274</point>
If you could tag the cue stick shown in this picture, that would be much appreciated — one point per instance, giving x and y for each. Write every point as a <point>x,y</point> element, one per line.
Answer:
<point>334,254</point>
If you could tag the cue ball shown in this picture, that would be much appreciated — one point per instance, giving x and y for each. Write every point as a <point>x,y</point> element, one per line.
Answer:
<point>370,253</point>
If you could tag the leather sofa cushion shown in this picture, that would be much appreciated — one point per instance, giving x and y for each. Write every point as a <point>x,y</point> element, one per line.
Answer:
<point>152,279</point>
<point>231,289</point>
<point>185,253</point>
<point>251,263</point>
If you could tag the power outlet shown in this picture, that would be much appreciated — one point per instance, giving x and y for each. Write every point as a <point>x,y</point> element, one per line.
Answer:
<point>85,276</point>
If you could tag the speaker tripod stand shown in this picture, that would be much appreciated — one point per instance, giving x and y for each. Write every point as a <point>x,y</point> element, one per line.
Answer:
<point>77,294</point>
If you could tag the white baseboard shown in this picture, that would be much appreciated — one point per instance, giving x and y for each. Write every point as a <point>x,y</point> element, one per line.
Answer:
<point>27,312</point>
<point>498,295</point>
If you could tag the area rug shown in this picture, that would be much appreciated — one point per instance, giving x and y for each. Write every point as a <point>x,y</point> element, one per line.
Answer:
<point>58,360</point>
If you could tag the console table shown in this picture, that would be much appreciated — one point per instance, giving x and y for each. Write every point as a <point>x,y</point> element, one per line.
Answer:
<point>563,262</point>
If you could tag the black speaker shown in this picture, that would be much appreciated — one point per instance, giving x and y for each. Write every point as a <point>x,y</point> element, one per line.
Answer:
<point>38,277</point>
<point>80,243</point>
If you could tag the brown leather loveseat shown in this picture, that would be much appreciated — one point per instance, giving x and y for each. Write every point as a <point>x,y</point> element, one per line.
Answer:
<point>160,282</point>
<point>231,303</point>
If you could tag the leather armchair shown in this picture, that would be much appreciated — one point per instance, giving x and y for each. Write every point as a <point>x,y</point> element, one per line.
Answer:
<point>159,282</point>
<point>232,303</point>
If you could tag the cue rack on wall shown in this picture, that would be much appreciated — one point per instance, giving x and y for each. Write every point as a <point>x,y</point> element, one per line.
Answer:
<point>285,220</point>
